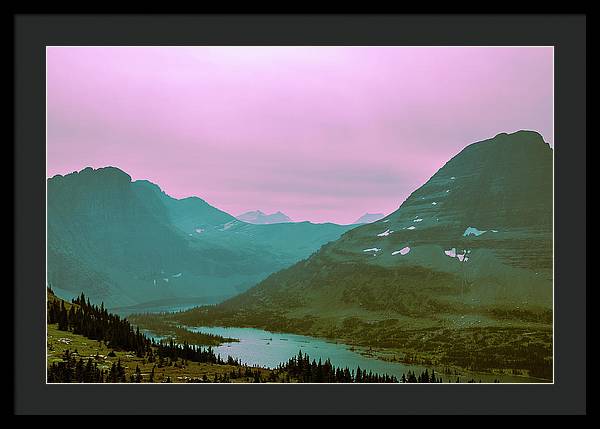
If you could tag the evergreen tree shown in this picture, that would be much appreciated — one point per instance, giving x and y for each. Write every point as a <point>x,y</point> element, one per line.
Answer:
<point>138,374</point>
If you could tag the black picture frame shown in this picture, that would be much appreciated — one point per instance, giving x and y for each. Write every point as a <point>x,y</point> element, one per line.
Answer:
<point>567,33</point>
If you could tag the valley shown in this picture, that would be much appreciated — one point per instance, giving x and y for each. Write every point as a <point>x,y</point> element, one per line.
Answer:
<point>460,275</point>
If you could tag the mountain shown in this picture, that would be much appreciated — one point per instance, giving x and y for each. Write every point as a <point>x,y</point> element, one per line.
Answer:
<point>127,242</point>
<point>470,248</point>
<point>260,218</point>
<point>188,214</point>
<point>368,218</point>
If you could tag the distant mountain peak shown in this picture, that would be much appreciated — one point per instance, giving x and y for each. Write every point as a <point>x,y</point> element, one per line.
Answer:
<point>369,217</point>
<point>259,217</point>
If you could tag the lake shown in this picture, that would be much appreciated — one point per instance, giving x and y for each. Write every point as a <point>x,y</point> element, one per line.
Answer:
<point>269,349</point>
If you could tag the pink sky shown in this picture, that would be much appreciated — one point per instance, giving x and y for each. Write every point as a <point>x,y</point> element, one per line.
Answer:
<point>320,133</point>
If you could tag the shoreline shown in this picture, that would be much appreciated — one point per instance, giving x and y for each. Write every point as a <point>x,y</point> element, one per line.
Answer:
<point>380,353</point>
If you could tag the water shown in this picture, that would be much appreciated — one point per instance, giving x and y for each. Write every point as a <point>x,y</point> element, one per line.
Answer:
<point>269,349</point>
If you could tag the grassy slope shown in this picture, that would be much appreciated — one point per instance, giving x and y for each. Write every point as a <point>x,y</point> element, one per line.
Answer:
<point>59,341</point>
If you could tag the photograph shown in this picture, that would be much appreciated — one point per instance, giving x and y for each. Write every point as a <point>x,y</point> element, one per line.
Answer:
<point>300,214</point>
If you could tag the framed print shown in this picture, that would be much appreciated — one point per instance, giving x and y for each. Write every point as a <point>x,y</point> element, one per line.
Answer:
<point>325,221</point>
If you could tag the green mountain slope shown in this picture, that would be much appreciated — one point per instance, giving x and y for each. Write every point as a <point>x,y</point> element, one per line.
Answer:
<point>127,242</point>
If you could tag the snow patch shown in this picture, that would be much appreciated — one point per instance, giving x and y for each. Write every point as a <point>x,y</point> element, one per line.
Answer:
<point>402,251</point>
<point>452,178</point>
<point>177,275</point>
<point>418,220</point>
<point>462,257</point>
<point>199,230</point>
<point>228,225</point>
<point>411,227</point>
<point>473,231</point>
<point>373,249</point>
<point>385,233</point>
<point>451,252</point>
<point>434,204</point>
